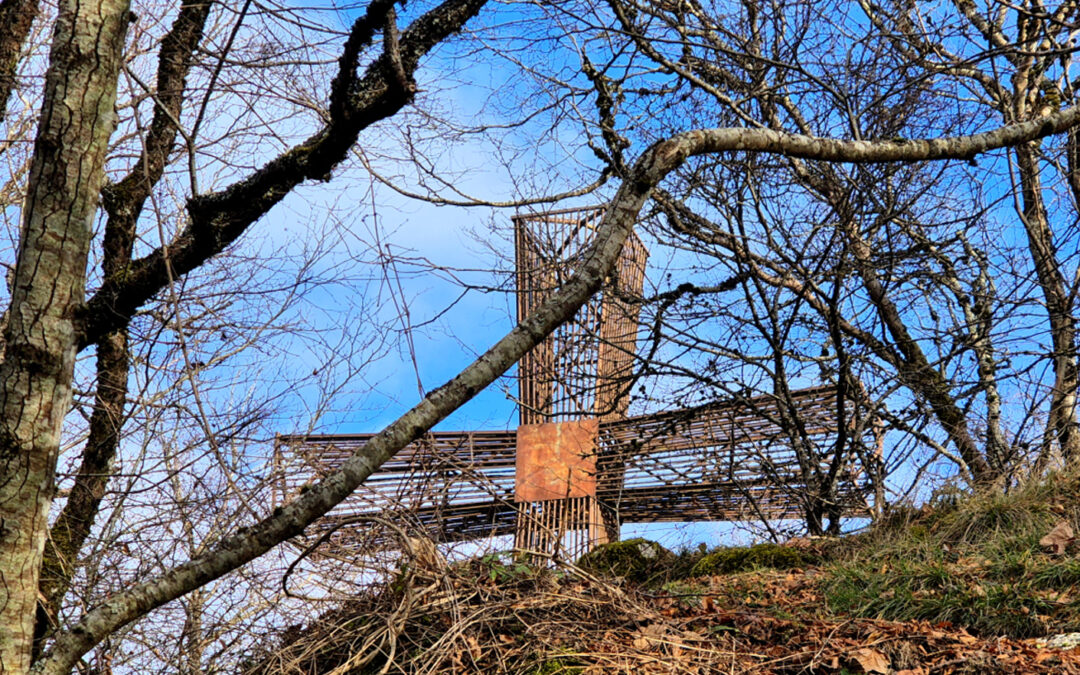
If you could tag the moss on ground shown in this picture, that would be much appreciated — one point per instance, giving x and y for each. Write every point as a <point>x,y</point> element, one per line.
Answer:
<point>559,666</point>
<point>743,559</point>
<point>638,560</point>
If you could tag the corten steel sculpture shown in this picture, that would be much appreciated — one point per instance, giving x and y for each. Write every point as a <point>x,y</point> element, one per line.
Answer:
<point>578,466</point>
<point>576,378</point>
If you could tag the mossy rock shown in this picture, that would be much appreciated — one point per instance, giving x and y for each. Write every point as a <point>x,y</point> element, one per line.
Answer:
<point>741,559</point>
<point>639,560</point>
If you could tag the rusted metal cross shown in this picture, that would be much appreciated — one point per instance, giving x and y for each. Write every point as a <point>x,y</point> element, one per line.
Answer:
<point>577,466</point>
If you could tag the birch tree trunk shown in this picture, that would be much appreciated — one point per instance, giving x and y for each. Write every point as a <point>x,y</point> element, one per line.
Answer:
<point>77,119</point>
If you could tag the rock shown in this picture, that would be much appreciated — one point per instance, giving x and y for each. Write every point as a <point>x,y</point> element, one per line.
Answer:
<point>639,560</point>
<point>1062,641</point>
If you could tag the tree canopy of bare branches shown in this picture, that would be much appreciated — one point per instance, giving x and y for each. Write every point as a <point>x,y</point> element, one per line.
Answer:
<point>812,153</point>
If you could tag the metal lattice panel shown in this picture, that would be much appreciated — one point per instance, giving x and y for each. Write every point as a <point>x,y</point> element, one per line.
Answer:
<point>583,368</point>
<point>730,460</point>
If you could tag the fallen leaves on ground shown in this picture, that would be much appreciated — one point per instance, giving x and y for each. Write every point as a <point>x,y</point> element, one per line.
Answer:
<point>754,624</point>
<point>1059,538</point>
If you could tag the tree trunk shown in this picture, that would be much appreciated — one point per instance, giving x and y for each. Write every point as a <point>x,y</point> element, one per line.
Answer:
<point>16,19</point>
<point>77,119</point>
<point>123,201</point>
<point>1062,421</point>
<point>72,527</point>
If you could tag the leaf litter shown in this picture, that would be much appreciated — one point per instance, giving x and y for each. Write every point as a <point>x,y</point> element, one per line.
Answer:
<point>544,622</point>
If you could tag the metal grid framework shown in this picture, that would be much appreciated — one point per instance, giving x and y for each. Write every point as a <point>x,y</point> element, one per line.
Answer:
<point>584,367</point>
<point>581,371</point>
<point>730,460</point>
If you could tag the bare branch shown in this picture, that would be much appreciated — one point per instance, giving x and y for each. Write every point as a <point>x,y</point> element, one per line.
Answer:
<point>656,163</point>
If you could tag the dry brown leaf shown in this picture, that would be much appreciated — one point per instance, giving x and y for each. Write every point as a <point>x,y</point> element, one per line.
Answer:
<point>475,651</point>
<point>912,671</point>
<point>654,630</point>
<point>1058,538</point>
<point>871,661</point>
<point>650,636</point>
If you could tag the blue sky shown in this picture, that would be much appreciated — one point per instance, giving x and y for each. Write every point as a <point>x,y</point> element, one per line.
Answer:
<point>436,248</point>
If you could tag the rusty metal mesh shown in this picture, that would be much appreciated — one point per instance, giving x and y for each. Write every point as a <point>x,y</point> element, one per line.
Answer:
<point>729,460</point>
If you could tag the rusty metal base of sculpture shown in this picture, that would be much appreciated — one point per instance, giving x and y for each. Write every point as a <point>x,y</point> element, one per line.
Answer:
<point>558,515</point>
<point>561,530</point>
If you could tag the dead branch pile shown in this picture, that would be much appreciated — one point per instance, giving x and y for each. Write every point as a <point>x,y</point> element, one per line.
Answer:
<point>492,615</point>
<point>487,615</point>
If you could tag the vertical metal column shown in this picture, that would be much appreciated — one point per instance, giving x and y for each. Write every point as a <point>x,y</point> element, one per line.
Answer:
<point>583,371</point>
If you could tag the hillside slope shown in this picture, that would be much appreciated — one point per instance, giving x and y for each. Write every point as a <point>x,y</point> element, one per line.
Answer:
<point>965,587</point>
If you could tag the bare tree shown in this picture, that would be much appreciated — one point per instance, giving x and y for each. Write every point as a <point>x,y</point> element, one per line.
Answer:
<point>1021,70</point>
<point>52,317</point>
<point>909,267</point>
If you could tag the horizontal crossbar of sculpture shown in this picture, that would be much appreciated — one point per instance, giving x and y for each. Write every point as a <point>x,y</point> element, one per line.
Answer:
<point>578,466</point>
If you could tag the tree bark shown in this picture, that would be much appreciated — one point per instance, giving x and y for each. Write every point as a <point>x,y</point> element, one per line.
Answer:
<point>77,119</point>
<point>1062,421</point>
<point>16,19</point>
<point>123,202</point>
<point>72,527</point>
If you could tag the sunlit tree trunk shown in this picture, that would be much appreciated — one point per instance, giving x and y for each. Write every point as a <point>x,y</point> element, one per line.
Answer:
<point>1062,422</point>
<point>123,201</point>
<point>16,19</point>
<point>77,119</point>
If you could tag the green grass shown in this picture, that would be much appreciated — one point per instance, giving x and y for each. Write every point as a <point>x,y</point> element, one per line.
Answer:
<point>974,562</point>
<point>930,591</point>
